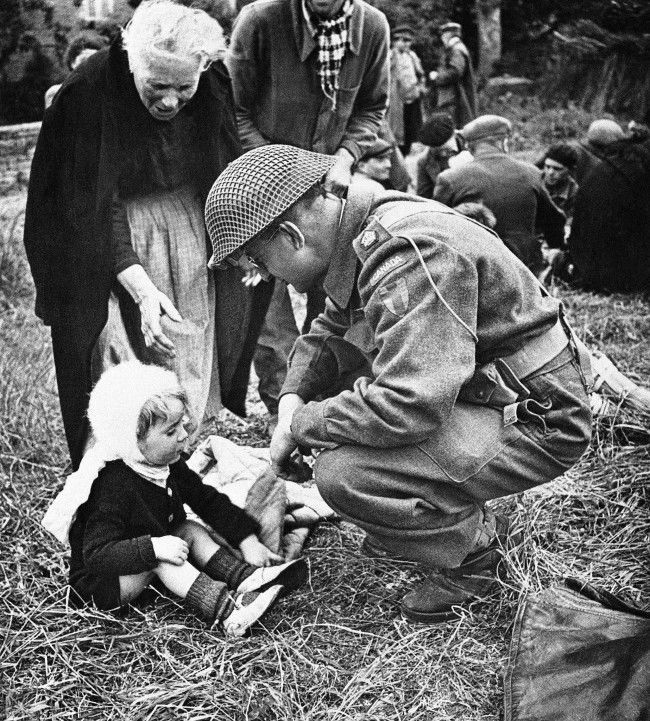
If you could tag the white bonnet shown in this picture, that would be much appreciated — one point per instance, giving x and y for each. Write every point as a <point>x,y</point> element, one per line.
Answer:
<point>117,399</point>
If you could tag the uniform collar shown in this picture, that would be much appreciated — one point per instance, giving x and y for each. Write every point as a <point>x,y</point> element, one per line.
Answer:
<point>341,274</point>
<point>303,29</point>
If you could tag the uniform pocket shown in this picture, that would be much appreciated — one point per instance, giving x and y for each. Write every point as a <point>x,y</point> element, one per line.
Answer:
<point>470,438</point>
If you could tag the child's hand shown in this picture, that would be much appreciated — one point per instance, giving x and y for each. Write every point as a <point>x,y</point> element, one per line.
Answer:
<point>256,553</point>
<point>171,549</point>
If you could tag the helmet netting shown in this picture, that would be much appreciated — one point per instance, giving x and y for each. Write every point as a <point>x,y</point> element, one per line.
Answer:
<point>257,188</point>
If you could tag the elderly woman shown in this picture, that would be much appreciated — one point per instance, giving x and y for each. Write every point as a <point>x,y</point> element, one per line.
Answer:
<point>114,229</point>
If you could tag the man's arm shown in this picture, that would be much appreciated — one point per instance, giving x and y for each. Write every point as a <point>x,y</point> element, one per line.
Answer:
<point>457,66</point>
<point>371,101</point>
<point>246,67</point>
<point>424,354</point>
<point>321,357</point>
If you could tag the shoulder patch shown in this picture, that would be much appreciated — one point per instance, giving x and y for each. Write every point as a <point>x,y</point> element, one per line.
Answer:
<point>370,237</point>
<point>394,262</point>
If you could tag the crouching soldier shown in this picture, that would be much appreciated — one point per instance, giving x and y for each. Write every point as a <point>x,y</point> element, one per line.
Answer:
<point>439,376</point>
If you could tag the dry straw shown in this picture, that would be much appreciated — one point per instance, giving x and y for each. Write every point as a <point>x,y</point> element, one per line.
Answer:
<point>337,650</point>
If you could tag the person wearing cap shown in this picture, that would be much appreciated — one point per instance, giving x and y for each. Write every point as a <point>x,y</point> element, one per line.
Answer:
<point>559,161</point>
<point>314,74</point>
<point>601,134</point>
<point>511,189</point>
<point>373,170</point>
<point>406,87</point>
<point>453,81</point>
<point>438,377</point>
<point>444,151</point>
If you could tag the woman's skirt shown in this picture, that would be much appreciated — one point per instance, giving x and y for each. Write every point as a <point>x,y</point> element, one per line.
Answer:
<point>168,236</point>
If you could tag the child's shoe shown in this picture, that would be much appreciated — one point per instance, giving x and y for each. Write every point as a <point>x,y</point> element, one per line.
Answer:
<point>249,608</point>
<point>290,575</point>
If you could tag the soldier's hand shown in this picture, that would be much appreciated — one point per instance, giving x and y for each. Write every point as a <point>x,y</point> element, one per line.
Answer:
<point>283,444</point>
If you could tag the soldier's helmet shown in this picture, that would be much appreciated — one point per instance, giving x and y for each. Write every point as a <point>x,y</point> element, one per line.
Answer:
<point>254,190</point>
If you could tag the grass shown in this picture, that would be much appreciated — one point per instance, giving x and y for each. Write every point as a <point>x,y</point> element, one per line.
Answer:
<point>338,650</point>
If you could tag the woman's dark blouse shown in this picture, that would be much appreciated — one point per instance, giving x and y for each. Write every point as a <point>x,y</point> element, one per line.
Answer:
<point>168,159</point>
<point>111,535</point>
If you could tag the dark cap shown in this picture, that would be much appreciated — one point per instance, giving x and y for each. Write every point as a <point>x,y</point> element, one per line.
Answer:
<point>450,28</point>
<point>403,31</point>
<point>437,130</point>
<point>379,147</point>
<point>486,126</point>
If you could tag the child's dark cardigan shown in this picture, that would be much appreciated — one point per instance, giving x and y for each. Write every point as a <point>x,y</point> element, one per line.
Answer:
<point>111,535</point>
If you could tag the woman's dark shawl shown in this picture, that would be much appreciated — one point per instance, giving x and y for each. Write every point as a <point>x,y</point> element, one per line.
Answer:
<point>96,121</point>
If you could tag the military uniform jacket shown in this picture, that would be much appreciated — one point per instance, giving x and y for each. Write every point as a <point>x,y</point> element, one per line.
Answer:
<point>407,348</point>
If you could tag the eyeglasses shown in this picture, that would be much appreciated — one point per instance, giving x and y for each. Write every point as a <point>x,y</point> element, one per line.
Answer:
<point>233,259</point>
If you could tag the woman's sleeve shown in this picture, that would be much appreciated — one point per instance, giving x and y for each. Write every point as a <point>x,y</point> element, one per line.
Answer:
<point>123,254</point>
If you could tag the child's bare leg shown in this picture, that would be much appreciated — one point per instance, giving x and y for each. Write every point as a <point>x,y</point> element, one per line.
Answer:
<point>132,586</point>
<point>202,545</point>
<point>178,579</point>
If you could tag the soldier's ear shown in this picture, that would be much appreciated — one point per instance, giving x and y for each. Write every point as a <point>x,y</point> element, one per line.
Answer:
<point>294,232</point>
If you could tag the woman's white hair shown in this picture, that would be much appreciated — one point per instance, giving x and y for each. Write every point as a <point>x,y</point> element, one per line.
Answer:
<point>165,29</point>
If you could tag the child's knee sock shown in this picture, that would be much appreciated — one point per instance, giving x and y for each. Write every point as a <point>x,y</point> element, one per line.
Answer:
<point>223,566</point>
<point>209,599</point>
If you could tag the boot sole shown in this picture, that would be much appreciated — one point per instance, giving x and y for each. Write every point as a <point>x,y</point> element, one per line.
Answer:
<point>429,617</point>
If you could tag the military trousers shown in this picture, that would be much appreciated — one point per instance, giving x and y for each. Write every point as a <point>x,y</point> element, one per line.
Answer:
<point>425,502</point>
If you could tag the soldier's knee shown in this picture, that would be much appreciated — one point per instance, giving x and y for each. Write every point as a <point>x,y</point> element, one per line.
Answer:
<point>333,471</point>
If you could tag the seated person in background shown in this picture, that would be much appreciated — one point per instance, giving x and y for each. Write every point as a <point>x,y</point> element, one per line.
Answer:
<point>609,235</point>
<point>373,170</point>
<point>511,189</point>
<point>444,151</point>
<point>399,178</point>
<point>559,162</point>
<point>593,148</point>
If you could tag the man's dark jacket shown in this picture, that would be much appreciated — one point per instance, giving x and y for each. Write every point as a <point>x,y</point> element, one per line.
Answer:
<point>96,122</point>
<point>514,192</point>
<point>610,235</point>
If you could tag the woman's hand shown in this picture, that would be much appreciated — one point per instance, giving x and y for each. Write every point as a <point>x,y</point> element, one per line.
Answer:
<point>172,549</point>
<point>257,554</point>
<point>152,303</point>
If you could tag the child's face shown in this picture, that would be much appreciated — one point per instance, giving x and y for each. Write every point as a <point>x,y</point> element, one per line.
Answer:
<point>165,440</point>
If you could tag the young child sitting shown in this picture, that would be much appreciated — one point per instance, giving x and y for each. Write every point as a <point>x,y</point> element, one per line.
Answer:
<point>127,521</point>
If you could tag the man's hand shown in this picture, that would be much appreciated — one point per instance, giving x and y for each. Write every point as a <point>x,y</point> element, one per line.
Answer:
<point>172,549</point>
<point>283,444</point>
<point>339,177</point>
<point>152,303</point>
<point>257,554</point>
